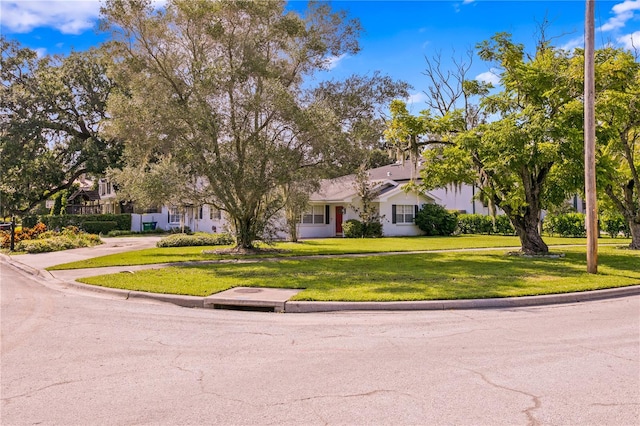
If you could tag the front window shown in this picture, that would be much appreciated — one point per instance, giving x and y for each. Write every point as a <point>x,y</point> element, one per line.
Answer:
<point>315,215</point>
<point>405,213</point>
<point>175,215</point>
<point>214,214</point>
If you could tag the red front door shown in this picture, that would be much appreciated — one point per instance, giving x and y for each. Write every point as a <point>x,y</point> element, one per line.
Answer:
<point>338,220</point>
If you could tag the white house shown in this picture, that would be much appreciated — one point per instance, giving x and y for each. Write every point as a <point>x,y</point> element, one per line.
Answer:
<point>337,201</point>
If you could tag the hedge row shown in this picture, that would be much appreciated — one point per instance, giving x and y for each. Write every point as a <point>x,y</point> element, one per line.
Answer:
<point>354,228</point>
<point>200,239</point>
<point>483,224</point>
<point>122,221</point>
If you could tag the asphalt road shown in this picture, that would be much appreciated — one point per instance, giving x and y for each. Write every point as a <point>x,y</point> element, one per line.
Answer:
<point>74,358</point>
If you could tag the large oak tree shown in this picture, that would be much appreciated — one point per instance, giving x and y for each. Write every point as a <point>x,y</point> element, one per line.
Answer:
<point>52,113</point>
<point>221,104</point>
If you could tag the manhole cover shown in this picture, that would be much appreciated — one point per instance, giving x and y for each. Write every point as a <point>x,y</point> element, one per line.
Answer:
<point>248,290</point>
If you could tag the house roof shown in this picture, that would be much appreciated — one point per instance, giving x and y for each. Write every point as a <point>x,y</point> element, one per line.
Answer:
<point>85,194</point>
<point>388,180</point>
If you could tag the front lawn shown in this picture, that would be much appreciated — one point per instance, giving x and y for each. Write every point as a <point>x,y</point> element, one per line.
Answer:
<point>319,247</point>
<point>429,276</point>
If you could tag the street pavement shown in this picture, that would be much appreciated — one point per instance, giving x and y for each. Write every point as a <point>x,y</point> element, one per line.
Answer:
<point>73,358</point>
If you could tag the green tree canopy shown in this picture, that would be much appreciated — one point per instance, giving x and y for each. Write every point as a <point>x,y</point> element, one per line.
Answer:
<point>220,95</point>
<point>618,135</point>
<point>51,127</point>
<point>528,139</point>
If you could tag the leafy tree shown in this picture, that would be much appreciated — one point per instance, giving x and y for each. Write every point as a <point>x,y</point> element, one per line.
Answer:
<point>53,109</point>
<point>618,135</point>
<point>368,211</point>
<point>219,92</point>
<point>531,138</point>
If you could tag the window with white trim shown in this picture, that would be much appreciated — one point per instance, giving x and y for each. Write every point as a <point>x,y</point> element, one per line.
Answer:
<point>175,215</point>
<point>405,213</point>
<point>214,214</point>
<point>315,215</point>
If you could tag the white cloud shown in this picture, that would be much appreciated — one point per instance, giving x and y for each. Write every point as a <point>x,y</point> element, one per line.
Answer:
<point>467,1</point>
<point>630,41</point>
<point>66,16</point>
<point>41,51</point>
<point>416,98</point>
<point>333,61</point>
<point>573,43</point>
<point>490,76</point>
<point>622,12</point>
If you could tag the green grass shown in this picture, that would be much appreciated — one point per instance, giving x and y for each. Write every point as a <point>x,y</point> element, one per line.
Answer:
<point>432,276</point>
<point>318,247</point>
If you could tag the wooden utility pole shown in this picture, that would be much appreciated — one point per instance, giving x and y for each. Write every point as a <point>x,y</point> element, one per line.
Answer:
<point>590,140</point>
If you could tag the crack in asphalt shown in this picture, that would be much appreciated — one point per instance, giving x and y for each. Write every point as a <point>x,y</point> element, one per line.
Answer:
<point>528,411</point>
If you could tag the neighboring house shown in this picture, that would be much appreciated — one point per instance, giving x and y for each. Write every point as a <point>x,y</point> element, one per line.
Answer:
<point>84,201</point>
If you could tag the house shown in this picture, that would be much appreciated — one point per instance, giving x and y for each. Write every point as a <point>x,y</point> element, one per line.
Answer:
<point>337,201</point>
<point>333,204</point>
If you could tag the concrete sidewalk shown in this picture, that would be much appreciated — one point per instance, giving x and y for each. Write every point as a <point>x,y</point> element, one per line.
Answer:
<point>262,298</point>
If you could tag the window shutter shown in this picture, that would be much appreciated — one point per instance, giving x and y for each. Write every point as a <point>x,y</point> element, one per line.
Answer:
<point>326,214</point>
<point>415,212</point>
<point>393,213</point>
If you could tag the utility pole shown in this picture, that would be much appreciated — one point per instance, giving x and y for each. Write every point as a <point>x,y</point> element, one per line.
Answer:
<point>590,140</point>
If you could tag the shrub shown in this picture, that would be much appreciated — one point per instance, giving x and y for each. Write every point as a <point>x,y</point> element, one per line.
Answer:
<point>22,234</point>
<point>433,219</point>
<point>353,228</point>
<point>30,221</point>
<point>475,224</point>
<point>484,224</point>
<point>200,239</point>
<point>123,221</point>
<point>372,229</point>
<point>64,241</point>
<point>614,224</point>
<point>504,226</point>
<point>98,227</point>
<point>566,225</point>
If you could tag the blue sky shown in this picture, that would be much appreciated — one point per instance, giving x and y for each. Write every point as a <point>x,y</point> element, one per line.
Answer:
<point>397,34</point>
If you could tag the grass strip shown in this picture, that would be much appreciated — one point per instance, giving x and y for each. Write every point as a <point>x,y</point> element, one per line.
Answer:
<point>432,276</point>
<point>316,247</point>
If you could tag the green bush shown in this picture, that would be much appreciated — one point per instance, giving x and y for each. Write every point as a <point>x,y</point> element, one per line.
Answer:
<point>614,224</point>
<point>565,225</point>
<point>475,224</point>
<point>200,239</point>
<point>433,219</point>
<point>123,221</point>
<point>372,229</point>
<point>504,226</point>
<point>96,227</point>
<point>64,241</point>
<point>353,228</point>
<point>484,224</point>
<point>30,221</point>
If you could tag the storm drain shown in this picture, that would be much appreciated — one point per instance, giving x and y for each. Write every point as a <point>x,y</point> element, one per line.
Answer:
<point>251,299</point>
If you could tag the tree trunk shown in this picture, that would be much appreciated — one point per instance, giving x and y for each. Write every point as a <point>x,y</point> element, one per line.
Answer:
<point>635,235</point>
<point>530,240</point>
<point>245,233</point>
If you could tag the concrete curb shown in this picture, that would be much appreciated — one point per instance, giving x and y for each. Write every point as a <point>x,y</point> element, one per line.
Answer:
<point>434,305</point>
<point>310,307</point>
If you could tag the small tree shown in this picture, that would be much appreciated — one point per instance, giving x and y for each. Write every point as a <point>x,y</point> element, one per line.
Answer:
<point>368,211</point>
